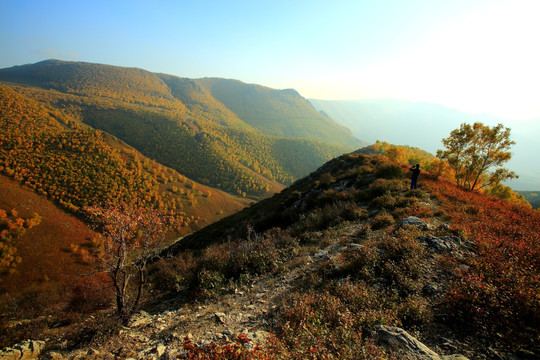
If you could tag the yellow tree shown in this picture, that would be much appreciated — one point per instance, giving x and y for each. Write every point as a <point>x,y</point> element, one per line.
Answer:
<point>473,150</point>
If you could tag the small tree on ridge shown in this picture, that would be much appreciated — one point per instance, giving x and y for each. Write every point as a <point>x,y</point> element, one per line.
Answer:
<point>471,151</point>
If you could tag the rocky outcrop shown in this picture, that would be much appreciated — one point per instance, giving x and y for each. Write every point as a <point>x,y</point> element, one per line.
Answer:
<point>26,350</point>
<point>441,244</point>
<point>414,221</point>
<point>407,346</point>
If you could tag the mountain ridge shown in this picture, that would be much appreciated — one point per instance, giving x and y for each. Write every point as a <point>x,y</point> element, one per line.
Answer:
<point>423,125</point>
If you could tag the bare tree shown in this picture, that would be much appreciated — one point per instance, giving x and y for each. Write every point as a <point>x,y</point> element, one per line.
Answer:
<point>128,238</point>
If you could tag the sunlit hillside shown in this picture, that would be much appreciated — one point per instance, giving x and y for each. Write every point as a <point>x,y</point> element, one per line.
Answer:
<point>182,124</point>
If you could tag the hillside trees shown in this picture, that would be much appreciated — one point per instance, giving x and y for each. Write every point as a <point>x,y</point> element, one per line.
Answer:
<point>74,166</point>
<point>12,227</point>
<point>128,238</point>
<point>472,151</point>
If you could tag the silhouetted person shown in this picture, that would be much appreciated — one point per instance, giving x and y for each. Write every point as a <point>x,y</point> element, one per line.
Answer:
<point>414,179</point>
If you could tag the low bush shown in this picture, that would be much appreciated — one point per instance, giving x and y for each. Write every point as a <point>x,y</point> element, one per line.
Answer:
<point>386,201</point>
<point>381,220</point>
<point>500,292</point>
<point>384,186</point>
<point>390,171</point>
<point>91,293</point>
<point>330,323</point>
<point>330,215</point>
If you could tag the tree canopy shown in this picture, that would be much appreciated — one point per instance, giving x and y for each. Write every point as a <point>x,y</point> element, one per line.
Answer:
<point>476,153</point>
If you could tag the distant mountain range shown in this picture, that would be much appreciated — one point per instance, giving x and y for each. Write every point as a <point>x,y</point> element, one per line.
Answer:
<point>423,125</point>
<point>241,138</point>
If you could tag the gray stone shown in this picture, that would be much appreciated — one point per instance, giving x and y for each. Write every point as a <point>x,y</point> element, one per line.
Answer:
<point>414,221</point>
<point>454,357</point>
<point>354,246</point>
<point>441,244</point>
<point>322,255</point>
<point>220,317</point>
<point>140,319</point>
<point>432,289</point>
<point>400,340</point>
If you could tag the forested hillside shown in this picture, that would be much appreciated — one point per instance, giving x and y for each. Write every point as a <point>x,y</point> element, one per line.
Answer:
<point>277,112</point>
<point>181,124</point>
<point>76,166</point>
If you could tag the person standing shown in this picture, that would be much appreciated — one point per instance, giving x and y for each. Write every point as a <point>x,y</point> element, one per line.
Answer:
<point>415,173</point>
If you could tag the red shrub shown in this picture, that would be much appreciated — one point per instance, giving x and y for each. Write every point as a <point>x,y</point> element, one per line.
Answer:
<point>501,291</point>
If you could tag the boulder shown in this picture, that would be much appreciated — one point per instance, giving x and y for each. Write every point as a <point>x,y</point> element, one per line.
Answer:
<point>432,289</point>
<point>441,244</point>
<point>414,221</point>
<point>221,317</point>
<point>400,340</point>
<point>26,350</point>
<point>140,319</point>
<point>322,255</point>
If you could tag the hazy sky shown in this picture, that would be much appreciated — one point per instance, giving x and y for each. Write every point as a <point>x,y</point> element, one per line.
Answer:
<point>474,55</point>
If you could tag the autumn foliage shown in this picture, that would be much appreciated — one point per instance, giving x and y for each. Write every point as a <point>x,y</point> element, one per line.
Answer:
<point>129,237</point>
<point>12,227</point>
<point>500,291</point>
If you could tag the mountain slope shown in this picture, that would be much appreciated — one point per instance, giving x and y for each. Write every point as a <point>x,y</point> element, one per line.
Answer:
<point>277,112</point>
<point>179,123</point>
<point>75,166</point>
<point>345,263</point>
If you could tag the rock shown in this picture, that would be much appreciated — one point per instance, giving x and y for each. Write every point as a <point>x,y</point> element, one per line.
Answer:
<point>10,354</point>
<point>446,243</point>
<point>336,247</point>
<point>140,319</point>
<point>401,340</point>
<point>443,227</point>
<point>454,357</point>
<point>92,352</point>
<point>414,221</point>
<point>432,289</point>
<point>172,354</point>
<point>29,349</point>
<point>220,317</point>
<point>354,246</point>
<point>441,244</point>
<point>53,355</point>
<point>160,349</point>
<point>322,255</point>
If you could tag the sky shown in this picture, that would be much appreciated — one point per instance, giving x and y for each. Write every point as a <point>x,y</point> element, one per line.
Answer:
<point>477,56</point>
